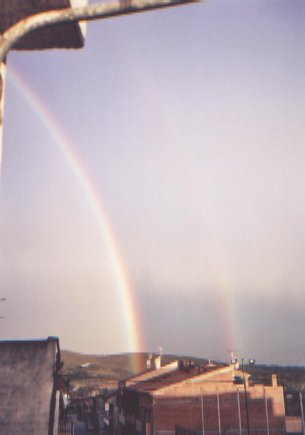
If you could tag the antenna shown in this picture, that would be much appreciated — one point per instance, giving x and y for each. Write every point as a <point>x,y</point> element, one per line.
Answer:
<point>233,357</point>
<point>149,361</point>
<point>234,361</point>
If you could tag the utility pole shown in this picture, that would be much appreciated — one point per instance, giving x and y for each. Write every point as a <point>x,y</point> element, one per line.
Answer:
<point>239,415</point>
<point>218,412</point>
<point>302,412</point>
<point>44,21</point>
<point>202,414</point>
<point>251,362</point>
<point>246,398</point>
<point>267,414</point>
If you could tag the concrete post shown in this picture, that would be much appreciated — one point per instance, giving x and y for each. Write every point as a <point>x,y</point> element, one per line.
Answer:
<point>239,415</point>
<point>218,412</point>
<point>266,408</point>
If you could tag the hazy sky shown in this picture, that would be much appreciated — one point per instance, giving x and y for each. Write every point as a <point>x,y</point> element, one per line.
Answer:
<point>190,125</point>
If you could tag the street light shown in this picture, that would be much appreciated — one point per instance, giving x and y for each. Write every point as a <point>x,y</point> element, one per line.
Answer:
<point>251,361</point>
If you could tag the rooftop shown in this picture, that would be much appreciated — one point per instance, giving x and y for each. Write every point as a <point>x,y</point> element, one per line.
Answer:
<point>183,373</point>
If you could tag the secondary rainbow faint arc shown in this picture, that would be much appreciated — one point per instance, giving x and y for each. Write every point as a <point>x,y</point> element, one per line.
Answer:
<point>127,297</point>
<point>162,111</point>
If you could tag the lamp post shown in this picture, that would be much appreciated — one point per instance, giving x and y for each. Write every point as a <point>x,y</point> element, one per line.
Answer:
<point>302,412</point>
<point>251,362</point>
<point>202,414</point>
<point>234,361</point>
<point>246,398</point>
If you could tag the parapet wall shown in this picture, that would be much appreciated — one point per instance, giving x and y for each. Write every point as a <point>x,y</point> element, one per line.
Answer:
<point>26,385</point>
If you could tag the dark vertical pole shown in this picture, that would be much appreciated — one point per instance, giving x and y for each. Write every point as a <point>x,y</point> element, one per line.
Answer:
<point>246,398</point>
<point>266,408</point>
<point>239,416</point>
<point>302,412</point>
<point>218,409</point>
<point>202,414</point>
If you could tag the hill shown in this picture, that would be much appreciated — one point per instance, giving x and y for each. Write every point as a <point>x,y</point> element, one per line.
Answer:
<point>292,378</point>
<point>88,373</point>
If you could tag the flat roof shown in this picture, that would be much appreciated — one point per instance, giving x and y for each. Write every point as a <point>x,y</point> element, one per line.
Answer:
<point>70,35</point>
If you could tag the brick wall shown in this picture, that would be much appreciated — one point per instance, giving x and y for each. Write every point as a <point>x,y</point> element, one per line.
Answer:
<point>187,412</point>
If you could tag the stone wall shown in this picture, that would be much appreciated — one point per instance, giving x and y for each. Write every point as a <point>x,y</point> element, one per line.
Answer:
<point>26,385</point>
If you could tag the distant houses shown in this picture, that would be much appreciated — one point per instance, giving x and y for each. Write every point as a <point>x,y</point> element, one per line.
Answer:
<point>184,398</point>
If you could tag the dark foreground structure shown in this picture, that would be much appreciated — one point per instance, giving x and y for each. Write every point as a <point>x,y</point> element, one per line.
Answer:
<point>29,395</point>
<point>68,35</point>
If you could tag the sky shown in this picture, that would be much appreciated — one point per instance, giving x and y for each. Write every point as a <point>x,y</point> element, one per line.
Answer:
<point>153,185</point>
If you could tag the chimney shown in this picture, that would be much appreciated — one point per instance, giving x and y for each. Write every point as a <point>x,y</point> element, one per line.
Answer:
<point>148,362</point>
<point>157,362</point>
<point>274,380</point>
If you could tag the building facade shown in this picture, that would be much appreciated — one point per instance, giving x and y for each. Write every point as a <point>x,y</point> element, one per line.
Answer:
<point>209,400</point>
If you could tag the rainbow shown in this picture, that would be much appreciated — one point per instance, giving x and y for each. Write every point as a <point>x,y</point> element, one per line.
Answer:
<point>230,322</point>
<point>127,297</point>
